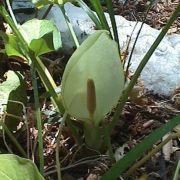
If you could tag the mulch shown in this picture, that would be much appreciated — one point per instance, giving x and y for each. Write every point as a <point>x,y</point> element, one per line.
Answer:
<point>140,116</point>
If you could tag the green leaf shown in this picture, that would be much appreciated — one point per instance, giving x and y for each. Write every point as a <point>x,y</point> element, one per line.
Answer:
<point>13,89</point>
<point>42,36</point>
<point>97,59</point>
<point>42,45</point>
<point>119,167</point>
<point>12,46</point>
<point>13,167</point>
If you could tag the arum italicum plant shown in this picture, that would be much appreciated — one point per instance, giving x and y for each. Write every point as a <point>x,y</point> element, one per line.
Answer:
<point>92,83</point>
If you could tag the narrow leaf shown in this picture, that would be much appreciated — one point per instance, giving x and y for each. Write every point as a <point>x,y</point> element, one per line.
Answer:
<point>141,148</point>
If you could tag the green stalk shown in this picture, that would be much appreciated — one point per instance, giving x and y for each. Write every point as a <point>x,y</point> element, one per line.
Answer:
<point>121,166</point>
<point>134,44</point>
<point>151,153</point>
<point>47,11</point>
<point>11,12</point>
<point>58,165</point>
<point>49,84</point>
<point>41,69</point>
<point>113,22</point>
<point>177,172</point>
<point>38,119</point>
<point>138,71</point>
<point>69,25</point>
<point>100,13</point>
<point>90,14</point>
<point>13,139</point>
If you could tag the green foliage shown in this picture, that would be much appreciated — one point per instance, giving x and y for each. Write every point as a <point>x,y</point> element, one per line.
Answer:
<point>13,89</point>
<point>41,69</point>
<point>42,36</point>
<point>100,13</point>
<point>93,80</point>
<point>13,167</point>
<point>93,60</point>
<point>12,47</point>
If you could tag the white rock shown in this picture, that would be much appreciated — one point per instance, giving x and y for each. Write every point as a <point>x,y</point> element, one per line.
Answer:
<point>162,72</point>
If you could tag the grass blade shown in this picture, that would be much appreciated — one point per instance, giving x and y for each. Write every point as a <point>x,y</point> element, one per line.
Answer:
<point>38,120</point>
<point>139,149</point>
<point>100,13</point>
<point>113,22</point>
<point>177,172</point>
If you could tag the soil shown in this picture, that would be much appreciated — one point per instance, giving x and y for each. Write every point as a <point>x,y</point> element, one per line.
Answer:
<point>141,115</point>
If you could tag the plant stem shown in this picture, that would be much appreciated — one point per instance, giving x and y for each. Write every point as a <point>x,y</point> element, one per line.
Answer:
<point>13,139</point>
<point>134,44</point>
<point>177,172</point>
<point>11,12</point>
<point>90,13</point>
<point>69,25</point>
<point>38,119</point>
<point>47,11</point>
<point>100,13</point>
<point>58,166</point>
<point>113,22</point>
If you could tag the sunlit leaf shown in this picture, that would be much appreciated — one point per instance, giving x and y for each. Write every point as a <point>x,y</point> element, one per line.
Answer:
<point>12,47</point>
<point>36,30</point>
<point>13,167</point>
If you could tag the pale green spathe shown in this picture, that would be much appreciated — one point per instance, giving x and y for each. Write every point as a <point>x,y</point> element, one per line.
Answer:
<point>98,59</point>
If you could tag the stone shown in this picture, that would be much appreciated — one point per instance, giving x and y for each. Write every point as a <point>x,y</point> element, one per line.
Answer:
<point>161,74</point>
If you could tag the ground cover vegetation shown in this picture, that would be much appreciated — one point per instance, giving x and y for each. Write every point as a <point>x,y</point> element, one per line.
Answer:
<point>63,116</point>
